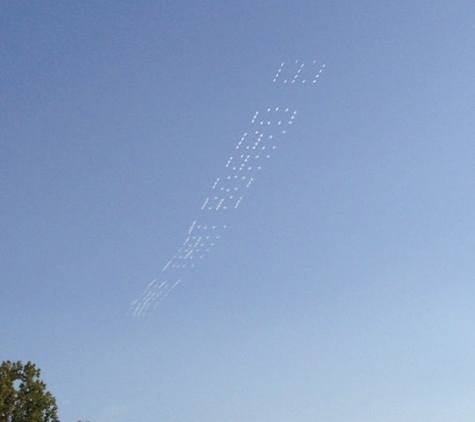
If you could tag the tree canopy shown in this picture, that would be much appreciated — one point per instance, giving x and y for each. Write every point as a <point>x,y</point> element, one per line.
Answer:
<point>23,396</point>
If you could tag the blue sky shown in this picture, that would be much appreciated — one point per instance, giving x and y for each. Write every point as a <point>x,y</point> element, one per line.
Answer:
<point>342,288</point>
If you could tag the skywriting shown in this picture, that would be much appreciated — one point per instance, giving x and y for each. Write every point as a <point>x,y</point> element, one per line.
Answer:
<point>263,137</point>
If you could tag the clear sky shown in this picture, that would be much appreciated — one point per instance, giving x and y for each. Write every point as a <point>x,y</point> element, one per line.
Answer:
<point>343,286</point>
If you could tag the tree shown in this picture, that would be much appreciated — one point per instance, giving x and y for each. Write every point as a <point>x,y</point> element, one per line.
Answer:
<point>23,396</point>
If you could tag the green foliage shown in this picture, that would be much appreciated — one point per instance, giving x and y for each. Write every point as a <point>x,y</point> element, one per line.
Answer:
<point>23,396</point>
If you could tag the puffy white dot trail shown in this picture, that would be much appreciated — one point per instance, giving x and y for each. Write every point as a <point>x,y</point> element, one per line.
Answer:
<point>268,127</point>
